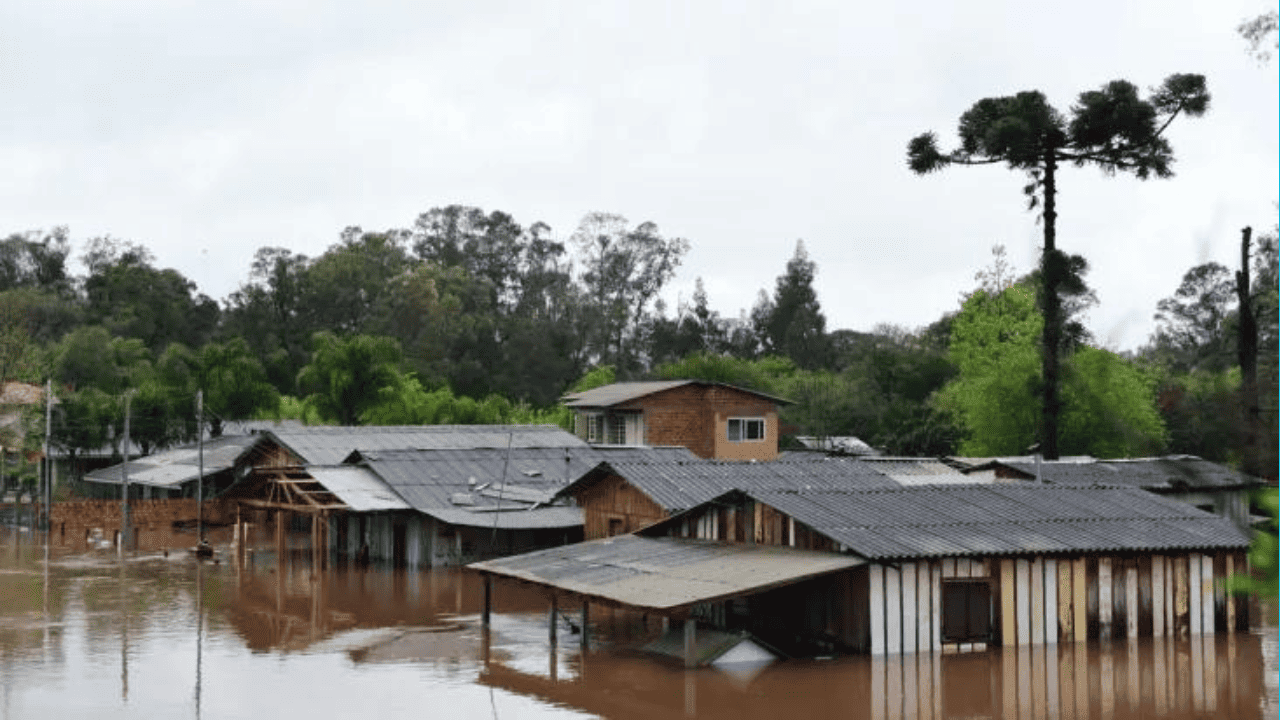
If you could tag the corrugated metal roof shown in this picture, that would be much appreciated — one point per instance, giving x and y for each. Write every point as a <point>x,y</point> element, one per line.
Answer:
<point>680,485</point>
<point>533,519</point>
<point>358,487</point>
<point>623,392</point>
<point>665,573</point>
<point>171,468</point>
<point>330,445</point>
<point>1000,519</point>
<point>918,471</point>
<point>1173,473</point>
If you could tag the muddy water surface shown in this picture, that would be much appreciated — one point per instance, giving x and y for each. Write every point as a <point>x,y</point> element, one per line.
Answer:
<point>85,634</point>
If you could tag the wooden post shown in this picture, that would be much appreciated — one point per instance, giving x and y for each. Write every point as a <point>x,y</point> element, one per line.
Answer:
<point>1023,600</point>
<point>1157,596</point>
<point>875,575</point>
<point>893,610</point>
<point>1079,599</point>
<point>924,607</point>
<point>1051,601</point>
<point>1131,604</point>
<point>1037,601</point>
<point>487,602</point>
<point>909,619</point>
<point>1008,608</point>
<point>1181,595</point>
<point>690,642</point>
<point>1230,600</point>
<point>1194,594</point>
<point>551,624</point>
<point>1105,603</point>
<point>1206,595</point>
<point>1066,628</point>
<point>586,618</point>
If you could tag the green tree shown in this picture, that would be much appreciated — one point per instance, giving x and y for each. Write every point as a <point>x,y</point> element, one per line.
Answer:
<point>346,375</point>
<point>792,322</point>
<point>623,271</point>
<point>1194,326</point>
<point>132,298</point>
<point>1111,128</point>
<point>1109,402</point>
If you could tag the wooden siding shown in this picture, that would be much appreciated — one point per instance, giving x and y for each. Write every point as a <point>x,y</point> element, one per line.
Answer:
<point>615,499</point>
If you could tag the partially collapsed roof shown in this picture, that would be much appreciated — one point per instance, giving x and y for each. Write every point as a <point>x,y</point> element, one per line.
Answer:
<point>679,485</point>
<point>665,573</point>
<point>330,444</point>
<point>624,392</point>
<point>358,488</point>
<point>172,468</point>
<point>999,519</point>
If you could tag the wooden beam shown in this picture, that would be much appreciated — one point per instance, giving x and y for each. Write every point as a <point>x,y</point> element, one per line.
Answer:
<point>1157,596</point>
<point>1066,627</point>
<point>1106,605</point>
<point>1131,602</point>
<point>267,504</point>
<point>1079,599</point>
<point>1008,608</point>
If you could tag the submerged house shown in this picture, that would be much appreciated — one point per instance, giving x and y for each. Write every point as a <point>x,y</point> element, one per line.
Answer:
<point>176,472</point>
<point>1207,485</point>
<point>712,419</point>
<point>623,495</point>
<point>907,569</point>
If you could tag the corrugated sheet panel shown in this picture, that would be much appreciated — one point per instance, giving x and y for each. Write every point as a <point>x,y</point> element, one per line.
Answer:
<point>537,518</point>
<point>665,573</point>
<point>680,485</point>
<point>174,467</point>
<point>1002,520</point>
<point>359,488</point>
<point>619,393</point>
<point>330,445</point>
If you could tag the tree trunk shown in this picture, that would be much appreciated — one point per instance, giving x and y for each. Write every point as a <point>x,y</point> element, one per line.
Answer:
<point>1052,306</point>
<point>1247,348</point>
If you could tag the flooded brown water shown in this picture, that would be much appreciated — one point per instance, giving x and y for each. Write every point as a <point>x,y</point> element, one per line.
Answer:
<point>85,634</point>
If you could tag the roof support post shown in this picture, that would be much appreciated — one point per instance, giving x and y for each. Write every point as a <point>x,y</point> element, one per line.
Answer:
<point>551,623</point>
<point>586,616</point>
<point>488,599</point>
<point>690,642</point>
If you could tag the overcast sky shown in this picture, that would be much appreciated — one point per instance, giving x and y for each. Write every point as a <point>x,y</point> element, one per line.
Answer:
<point>207,130</point>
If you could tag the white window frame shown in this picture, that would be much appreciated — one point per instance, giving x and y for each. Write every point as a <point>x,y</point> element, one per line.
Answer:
<point>743,432</point>
<point>595,427</point>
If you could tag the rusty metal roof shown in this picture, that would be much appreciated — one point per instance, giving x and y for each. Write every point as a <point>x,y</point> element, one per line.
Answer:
<point>661,573</point>
<point>172,468</point>
<point>330,444</point>
<point>623,392</point>
<point>680,485</point>
<point>999,519</point>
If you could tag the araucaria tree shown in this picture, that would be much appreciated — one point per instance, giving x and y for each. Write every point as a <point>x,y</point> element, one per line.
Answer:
<point>1111,128</point>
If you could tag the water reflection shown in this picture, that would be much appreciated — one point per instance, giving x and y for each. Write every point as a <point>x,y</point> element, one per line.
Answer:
<point>83,633</point>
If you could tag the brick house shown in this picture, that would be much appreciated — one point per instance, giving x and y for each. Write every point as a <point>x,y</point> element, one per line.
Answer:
<point>713,420</point>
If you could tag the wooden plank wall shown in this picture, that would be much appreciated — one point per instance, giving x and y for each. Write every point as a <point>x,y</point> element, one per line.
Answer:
<point>615,498</point>
<point>1046,600</point>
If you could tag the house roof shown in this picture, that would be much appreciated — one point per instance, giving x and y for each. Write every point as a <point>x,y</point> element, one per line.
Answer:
<point>624,392</point>
<point>663,573</point>
<point>483,486</point>
<point>358,488</point>
<point>330,444</point>
<point>918,471</point>
<point>999,519</point>
<point>679,485</point>
<point>1172,473</point>
<point>171,468</point>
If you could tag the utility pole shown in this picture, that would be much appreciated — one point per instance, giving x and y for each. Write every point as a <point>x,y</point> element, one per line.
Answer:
<point>200,456</point>
<point>124,471</point>
<point>47,496</point>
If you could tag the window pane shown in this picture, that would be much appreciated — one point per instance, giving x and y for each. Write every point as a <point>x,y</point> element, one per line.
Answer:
<point>979,610</point>
<point>735,430</point>
<point>755,429</point>
<point>954,611</point>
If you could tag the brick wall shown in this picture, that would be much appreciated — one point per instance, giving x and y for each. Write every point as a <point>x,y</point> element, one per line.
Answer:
<point>696,416</point>
<point>79,515</point>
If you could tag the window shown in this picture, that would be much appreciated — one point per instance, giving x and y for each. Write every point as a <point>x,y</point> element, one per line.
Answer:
<point>617,430</point>
<point>746,429</point>
<point>615,526</point>
<point>595,427</point>
<point>966,611</point>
